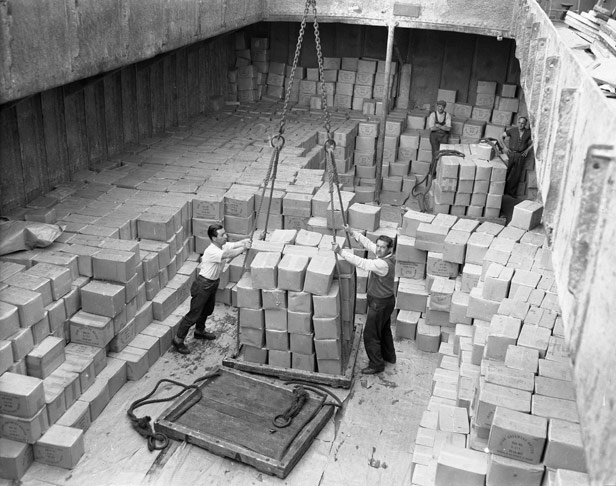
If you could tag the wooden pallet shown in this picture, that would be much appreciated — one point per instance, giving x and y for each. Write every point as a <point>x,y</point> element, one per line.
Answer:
<point>288,374</point>
<point>233,418</point>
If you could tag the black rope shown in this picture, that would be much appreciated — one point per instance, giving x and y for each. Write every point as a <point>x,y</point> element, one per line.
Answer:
<point>300,395</point>
<point>319,390</point>
<point>143,425</point>
<point>421,195</point>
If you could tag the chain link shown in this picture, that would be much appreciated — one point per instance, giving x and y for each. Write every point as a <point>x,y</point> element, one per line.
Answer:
<point>298,49</point>
<point>317,39</point>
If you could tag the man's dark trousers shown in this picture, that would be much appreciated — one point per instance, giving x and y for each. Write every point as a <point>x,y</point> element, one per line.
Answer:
<point>378,340</point>
<point>203,293</point>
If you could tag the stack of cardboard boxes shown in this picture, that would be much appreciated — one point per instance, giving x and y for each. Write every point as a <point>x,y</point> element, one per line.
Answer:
<point>294,308</point>
<point>503,405</point>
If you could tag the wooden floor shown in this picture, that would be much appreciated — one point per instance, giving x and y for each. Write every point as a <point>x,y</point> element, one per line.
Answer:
<point>369,442</point>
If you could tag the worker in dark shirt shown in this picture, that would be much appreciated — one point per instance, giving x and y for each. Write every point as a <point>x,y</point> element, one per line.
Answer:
<point>518,142</point>
<point>378,340</point>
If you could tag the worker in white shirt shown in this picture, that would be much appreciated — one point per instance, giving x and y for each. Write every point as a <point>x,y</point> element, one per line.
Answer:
<point>203,289</point>
<point>378,340</point>
<point>439,124</point>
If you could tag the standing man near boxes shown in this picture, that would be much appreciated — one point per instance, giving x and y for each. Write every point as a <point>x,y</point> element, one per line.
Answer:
<point>439,123</point>
<point>520,143</point>
<point>378,340</point>
<point>203,289</point>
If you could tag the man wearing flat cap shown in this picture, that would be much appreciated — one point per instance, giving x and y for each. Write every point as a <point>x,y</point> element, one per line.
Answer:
<point>439,123</point>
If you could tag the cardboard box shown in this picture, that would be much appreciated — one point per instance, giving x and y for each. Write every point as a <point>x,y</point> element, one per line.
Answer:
<point>518,435</point>
<point>15,459</point>
<point>502,470</point>
<point>327,327</point>
<point>458,465</point>
<point>428,337</point>
<point>565,449</point>
<point>491,396</point>
<point>137,363</point>
<point>22,429</point>
<point>412,295</point>
<point>77,416</point>
<point>247,295</point>
<point>60,446</point>
<point>264,270</point>
<point>60,277</point>
<point>83,367</point>
<point>277,340</point>
<point>103,298</point>
<point>29,304</point>
<point>9,320</point>
<point>46,357</point>
<point>304,362</point>
<point>21,396</point>
<point>97,397</point>
<point>301,343</point>
<point>254,354</point>
<point>91,329</point>
<point>328,348</point>
<point>555,408</point>
<point>114,265</point>
<point>292,272</point>
<point>319,275</point>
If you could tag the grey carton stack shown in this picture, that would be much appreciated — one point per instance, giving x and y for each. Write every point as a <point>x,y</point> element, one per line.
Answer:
<point>503,407</point>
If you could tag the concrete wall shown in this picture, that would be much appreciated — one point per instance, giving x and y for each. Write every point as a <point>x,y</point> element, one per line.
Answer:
<point>44,44</point>
<point>48,44</point>
<point>574,125</point>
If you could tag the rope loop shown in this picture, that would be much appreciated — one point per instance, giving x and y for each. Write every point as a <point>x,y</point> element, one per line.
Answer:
<point>329,145</point>
<point>277,141</point>
<point>300,395</point>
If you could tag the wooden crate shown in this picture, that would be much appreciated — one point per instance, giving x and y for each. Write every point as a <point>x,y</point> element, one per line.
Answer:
<point>233,418</point>
<point>350,336</point>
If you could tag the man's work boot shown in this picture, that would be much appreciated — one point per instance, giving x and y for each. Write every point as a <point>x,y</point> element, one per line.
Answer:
<point>209,336</point>
<point>180,347</point>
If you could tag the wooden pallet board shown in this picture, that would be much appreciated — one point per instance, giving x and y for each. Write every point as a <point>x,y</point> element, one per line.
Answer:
<point>338,381</point>
<point>233,418</point>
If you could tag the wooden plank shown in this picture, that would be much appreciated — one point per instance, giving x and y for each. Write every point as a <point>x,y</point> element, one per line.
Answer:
<point>338,381</point>
<point>484,68</point>
<point>457,63</point>
<point>181,83</point>
<point>426,48</point>
<point>33,158</point>
<point>54,131</point>
<point>282,47</point>
<point>157,97</point>
<point>76,138</point>
<point>204,71</point>
<point>12,188</point>
<point>95,121</point>
<point>144,103</point>
<point>114,130</point>
<point>130,119</point>
<point>170,90</point>
<point>192,81</point>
